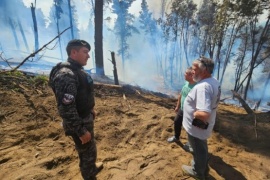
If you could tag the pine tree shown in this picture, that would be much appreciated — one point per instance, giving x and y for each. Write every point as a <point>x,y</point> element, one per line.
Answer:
<point>123,26</point>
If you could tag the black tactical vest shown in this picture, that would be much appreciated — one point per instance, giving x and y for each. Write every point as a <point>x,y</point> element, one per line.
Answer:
<point>84,99</point>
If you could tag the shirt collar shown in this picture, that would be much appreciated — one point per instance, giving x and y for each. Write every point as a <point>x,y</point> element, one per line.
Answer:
<point>74,63</point>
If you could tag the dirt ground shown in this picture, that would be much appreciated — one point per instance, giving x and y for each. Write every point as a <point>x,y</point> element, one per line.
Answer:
<point>131,129</point>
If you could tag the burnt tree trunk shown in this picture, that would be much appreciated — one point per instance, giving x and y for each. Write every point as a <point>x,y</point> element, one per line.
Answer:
<point>23,36</point>
<point>33,9</point>
<point>14,33</point>
<point>99,37</point>
<point>57,17</point>
<point>115,75</point>
<point>70,19</point>
<point>243,102</point>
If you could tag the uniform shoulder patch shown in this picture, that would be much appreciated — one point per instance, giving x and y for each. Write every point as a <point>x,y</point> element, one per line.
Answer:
<point>66,70</point>
<point>68,99</point>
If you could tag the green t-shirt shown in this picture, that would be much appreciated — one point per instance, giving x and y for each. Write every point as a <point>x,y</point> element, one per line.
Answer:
<point>184,92</point>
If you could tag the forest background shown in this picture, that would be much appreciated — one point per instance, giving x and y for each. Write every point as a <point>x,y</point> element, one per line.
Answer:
<point>154,41</point>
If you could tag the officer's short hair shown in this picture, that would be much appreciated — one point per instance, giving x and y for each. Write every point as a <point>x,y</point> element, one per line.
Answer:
<point>77,44</point>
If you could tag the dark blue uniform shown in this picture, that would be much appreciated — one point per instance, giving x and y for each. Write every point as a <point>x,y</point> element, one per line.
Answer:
<point>74,92</point>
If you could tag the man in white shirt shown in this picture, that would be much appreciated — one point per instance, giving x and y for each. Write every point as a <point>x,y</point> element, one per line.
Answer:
<point>199,115</point>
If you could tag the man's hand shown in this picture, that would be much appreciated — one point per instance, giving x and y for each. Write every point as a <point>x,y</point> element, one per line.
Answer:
<point>202,115</point>
<point>86,137</point>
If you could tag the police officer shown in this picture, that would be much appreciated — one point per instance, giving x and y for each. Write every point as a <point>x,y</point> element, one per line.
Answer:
<point>74,92</point>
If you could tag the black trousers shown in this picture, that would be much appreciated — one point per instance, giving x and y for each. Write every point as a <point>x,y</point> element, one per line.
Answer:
<point>178,124</point>
<point>87,152</point>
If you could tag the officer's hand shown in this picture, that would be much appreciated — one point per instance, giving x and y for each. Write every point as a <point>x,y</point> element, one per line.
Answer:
<point>86,137</point>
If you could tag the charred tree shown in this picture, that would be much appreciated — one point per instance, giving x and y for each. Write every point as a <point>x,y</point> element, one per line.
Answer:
<point>23,36</point>
<point>33,11</point>
<point>123,27</point>
<point>115,75</point>
<point>257,47</point>
<point>234,32</point>
<point>70,19</point>
<point>99,37</point>
<point>206,21</point>
<point>12,26</point>
<point>149,26</point>
<point>58,12</point>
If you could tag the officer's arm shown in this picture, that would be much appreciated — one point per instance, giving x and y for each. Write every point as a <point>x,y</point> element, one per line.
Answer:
<point>66,85</point>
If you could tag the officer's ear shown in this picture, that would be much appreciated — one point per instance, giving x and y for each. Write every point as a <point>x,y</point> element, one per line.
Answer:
<point>73,52</point>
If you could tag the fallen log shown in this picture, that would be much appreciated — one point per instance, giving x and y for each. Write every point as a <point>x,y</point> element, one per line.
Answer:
<point>243,102</point>
<point>248,110</point>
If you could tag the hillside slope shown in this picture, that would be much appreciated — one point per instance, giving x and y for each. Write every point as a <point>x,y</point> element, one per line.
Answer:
<point>131,131</point>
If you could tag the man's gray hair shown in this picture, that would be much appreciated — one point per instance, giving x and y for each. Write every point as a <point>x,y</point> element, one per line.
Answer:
<point>205,63</point>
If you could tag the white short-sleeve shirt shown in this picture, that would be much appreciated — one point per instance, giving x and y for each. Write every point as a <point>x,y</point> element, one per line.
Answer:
<point>204,96</point>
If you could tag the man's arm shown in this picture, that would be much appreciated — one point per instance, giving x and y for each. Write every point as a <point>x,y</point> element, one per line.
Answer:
<point>87,136</point>
<point>66,86</point>
<point>178,103</point>
<point>203,104</point>
<point>202,115</point>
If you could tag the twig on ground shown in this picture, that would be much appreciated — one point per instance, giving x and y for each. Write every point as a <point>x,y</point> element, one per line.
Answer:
<point>125,98</point>
<point>255,126</point>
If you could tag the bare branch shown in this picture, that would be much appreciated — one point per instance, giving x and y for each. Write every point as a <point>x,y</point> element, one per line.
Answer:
<point>34,53</point>
<point>5,60</point>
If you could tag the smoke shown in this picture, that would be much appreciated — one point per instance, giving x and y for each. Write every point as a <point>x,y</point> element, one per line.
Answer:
<point>145,67</point>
